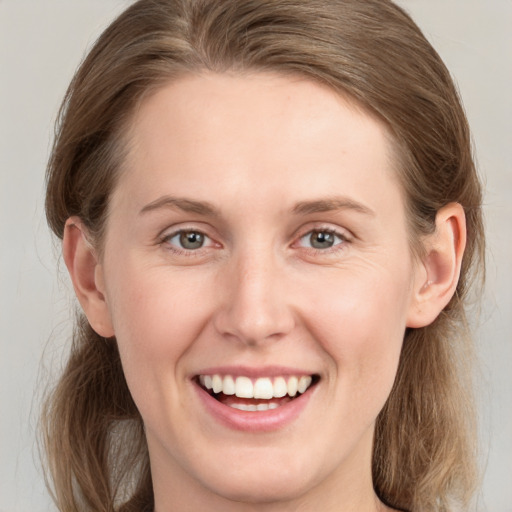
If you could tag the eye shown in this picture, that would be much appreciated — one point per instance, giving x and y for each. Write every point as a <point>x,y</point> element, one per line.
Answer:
<point>321,239</point>
<point>188,240</point>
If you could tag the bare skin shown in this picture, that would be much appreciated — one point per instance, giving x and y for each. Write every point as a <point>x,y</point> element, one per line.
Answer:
<point>258,224</point>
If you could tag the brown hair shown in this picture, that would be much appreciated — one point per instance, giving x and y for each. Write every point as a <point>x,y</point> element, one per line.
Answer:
<point>424,449</point>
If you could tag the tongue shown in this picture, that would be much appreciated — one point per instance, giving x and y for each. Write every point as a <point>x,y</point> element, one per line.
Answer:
<point>232,399</point>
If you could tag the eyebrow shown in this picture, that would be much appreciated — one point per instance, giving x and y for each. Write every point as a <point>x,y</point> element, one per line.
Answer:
<point>331,204</point>
<point>181,203</point>
<point>301,208</point>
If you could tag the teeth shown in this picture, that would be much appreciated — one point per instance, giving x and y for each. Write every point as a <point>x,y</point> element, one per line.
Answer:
<point>304,383</point>
<point>261,388</point>
<point>228,385</point>
<point>217,383</point>
<point>280,387</point>
<point>208,382</point>
<point>293,384</point>
<point>254,408</point>
<point>244,387</point>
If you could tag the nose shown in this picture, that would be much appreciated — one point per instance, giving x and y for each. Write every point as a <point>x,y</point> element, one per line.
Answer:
<point>255,306</point>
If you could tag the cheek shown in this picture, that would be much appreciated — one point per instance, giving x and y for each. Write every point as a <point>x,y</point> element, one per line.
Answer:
<point>360,322</point>
<point>157,316</point>
<point>153,308</point>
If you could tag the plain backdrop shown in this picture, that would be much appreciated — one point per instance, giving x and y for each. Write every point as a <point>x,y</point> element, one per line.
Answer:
<point>41,44</point>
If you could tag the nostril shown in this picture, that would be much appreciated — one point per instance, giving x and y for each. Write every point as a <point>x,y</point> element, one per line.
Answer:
<point>253,329</point>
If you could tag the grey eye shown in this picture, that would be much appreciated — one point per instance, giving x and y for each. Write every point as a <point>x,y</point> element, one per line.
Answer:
<point>190,240</point>
<point>321,239</point>
<point>187,241</point>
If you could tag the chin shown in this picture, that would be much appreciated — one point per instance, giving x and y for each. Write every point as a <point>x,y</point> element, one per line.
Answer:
<point>257,474</point>
<point>266,487</point>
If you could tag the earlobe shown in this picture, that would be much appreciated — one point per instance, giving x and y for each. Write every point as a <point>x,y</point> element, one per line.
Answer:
<point>438,272</point>
<point>86,274</point>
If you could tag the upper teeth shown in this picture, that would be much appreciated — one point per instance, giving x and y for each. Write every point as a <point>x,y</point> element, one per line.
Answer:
<point>264,387</point>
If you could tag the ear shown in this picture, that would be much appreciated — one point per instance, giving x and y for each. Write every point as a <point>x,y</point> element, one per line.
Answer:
<point>86,273</point>
<point>437,274</point>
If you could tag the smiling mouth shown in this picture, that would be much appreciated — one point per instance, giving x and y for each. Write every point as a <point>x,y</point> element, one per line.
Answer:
<point>261,394</point>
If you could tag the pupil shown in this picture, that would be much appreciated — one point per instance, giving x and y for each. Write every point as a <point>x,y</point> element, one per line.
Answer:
<point>322,240</point>
<point>191,240</point>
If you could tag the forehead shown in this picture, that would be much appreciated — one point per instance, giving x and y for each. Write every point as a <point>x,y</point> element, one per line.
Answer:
<point>242,133</point>
<point>260,98</point>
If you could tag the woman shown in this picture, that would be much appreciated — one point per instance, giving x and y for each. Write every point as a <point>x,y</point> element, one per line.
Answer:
<point>271,219</point>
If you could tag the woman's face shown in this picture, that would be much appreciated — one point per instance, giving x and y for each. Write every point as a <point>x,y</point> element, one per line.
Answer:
<point>257,238</point>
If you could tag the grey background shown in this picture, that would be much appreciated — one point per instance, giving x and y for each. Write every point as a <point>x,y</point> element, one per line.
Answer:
<point>42,42</point>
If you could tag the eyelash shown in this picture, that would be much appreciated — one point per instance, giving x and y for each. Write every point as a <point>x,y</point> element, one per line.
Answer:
<point>165,240</point>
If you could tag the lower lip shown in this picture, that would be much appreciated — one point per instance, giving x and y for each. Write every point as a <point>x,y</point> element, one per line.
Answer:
<point>257,421</point>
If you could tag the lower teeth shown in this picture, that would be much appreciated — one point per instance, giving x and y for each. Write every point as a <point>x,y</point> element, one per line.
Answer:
<point>254,408</point>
